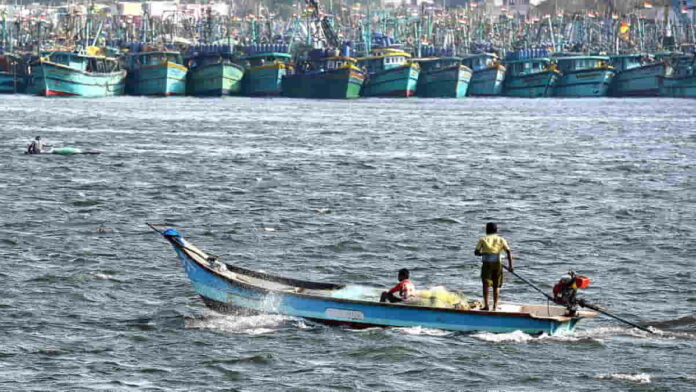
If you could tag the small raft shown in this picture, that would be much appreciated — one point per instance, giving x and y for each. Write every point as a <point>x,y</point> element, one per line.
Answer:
<point>231,289</point>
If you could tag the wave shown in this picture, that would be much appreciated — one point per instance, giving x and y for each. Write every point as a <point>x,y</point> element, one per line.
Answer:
<point>240,324</point>
<point>639,378</point>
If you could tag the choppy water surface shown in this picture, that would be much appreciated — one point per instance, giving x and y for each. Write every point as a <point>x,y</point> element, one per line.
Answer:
<point>91,299</point>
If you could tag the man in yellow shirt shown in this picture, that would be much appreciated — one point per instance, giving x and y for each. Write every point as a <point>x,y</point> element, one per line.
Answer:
<point>489,248</point>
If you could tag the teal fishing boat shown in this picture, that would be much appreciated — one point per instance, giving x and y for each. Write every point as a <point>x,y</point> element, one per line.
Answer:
<point>12,74</point>
<point>583,76</point>
<point>530,78</point>
<point>637,75</point>
<point>159,73</point>
<point>390,73</point>
<point>81,74</point>
<point>443,77</point>
<point>336,77</point>
<point>214,74</point>
<point>265,70</point>
<point>488,74</point>
<point>680,79</point>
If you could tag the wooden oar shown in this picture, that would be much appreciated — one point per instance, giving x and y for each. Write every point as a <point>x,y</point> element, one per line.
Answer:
<point>582,303</point>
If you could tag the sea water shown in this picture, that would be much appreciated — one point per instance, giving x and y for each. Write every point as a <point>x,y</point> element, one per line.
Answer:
<point>344,192</point>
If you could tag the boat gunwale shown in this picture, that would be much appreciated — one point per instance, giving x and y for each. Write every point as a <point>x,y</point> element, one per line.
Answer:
<point>250,286</point>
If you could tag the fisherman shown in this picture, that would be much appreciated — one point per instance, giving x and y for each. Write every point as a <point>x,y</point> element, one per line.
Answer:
<point>404,289</point>
<point>489,248</point>
<point>36,146</point>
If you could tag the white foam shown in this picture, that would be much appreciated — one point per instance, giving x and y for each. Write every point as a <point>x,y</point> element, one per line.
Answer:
<point>519,337</point>
<point>639,378</point>
<point>103,276</point>
<point>418,330</point>
<point>251,325</point>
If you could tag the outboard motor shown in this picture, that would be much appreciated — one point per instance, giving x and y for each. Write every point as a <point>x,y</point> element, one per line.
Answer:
<point>565,290</point>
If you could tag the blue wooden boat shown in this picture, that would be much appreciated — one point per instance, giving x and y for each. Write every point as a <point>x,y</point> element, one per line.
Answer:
<point>530,78</point>
<point>81,74</point>
<point>213,72</point>
<point>488,74</point>
<point>231,289</point>
<point>334,77</point>
<point>680,79</point>
<point>158,73</point>
<point>443,77</point>
<point>12,74</point>
<point>636,76</point>
<point>390,73</point>
<point>264,72</point>
<point>583,76</point>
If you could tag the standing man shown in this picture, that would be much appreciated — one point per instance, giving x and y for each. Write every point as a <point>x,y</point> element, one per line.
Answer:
<point>489,248</point>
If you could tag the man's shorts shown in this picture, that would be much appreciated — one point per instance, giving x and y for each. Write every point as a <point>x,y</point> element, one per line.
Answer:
<point>492,273</point>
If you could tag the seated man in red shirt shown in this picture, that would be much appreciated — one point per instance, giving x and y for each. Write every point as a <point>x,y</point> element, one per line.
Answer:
<point>402,291</point>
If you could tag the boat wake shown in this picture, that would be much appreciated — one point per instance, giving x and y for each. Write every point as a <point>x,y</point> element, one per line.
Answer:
<point>589,336</point>
<point>243,324</point>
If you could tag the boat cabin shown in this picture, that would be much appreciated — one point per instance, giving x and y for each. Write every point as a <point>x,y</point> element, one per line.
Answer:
<point>82,62</point>
<point>432,64</point>
<point>330,64</point>
<point>261,59</point>
<point>684,65</point>
<point>625,62</point>
<point>209,58</point>
<point>528,66</point>
<point>581,63</point>
<point>144,59</point>
<point>383,59</point>
<point>478,62</point>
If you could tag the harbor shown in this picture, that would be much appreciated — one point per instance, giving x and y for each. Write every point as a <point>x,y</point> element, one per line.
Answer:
<point>351,50</point>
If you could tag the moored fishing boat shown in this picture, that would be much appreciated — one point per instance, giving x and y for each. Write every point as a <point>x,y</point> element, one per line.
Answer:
<point>232,289</point>
<point>488,74</point>
<point>680,79</point>
<point>83,74</point>
<point>213,72</point>
<point>530,78</point>
<point>336,77</point>
<point>443,77</point>
<point>12,74</point>
<point>389,73</point>
<point>265,67</point>
<point>583,76</point>
<point>636,76</point>
<point>159,73</point>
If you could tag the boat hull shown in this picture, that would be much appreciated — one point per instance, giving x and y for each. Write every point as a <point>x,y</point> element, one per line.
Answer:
<point>164,79</point>
<point>449,82</point>
<point>49,79</point>
<point>396,82</point>
<point>638,82</point>
<point>233,293</point>
<point>584,83</point>
<point>678,87</point>
<point>338,83</point>
<point>11,83</point>
<point>215,80</point>
<point>535,85</point>
<point>487,82</point>
<point>264,80</point>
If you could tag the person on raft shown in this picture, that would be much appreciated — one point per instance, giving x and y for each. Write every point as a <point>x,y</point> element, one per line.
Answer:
<point>403,290</point>
<point>36,146</point>
<point>489,248</point>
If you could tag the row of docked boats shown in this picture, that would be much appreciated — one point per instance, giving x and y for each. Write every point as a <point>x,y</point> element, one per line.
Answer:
<point>268,70</point>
